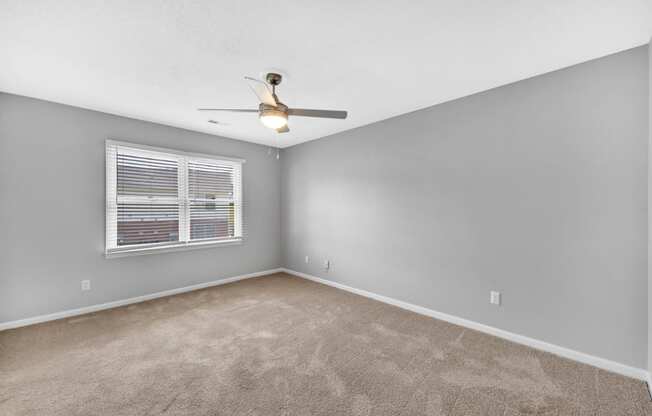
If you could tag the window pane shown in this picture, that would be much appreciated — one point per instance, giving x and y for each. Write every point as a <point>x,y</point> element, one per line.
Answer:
<point>142,179</point>
<point>147,223</point>
<point>211,191</point>
<point>146,176</point>
<point>206,181</point>
<point>211,220</point>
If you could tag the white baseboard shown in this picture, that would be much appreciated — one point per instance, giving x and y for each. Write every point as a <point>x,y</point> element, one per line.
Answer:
<point>602,363</point>
<point>109,305</point>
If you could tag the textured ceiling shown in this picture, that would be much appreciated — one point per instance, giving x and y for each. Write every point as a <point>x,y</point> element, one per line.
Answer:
<point>159,60</point>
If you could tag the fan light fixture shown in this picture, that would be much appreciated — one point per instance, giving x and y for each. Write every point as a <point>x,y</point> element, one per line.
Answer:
<point>274,119</point>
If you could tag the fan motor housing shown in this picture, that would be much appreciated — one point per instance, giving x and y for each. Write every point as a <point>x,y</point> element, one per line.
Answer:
<point>273,78</point>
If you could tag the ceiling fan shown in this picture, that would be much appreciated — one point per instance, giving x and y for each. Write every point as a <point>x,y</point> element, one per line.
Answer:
<point>271,111</point>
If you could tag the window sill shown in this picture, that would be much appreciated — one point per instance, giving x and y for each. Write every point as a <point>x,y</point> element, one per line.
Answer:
<point>138,251</point>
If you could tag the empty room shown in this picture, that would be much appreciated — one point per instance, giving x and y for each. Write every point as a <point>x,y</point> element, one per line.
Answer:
<point>296,208</point>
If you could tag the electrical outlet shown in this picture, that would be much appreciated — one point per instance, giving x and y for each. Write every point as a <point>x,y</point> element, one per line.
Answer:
<point>307,259</point>
<point>85,285</point>
<point>327,264</point>
<point>494,298</point>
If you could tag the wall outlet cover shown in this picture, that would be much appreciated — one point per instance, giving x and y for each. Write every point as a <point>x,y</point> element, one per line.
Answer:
<point>494,298</point>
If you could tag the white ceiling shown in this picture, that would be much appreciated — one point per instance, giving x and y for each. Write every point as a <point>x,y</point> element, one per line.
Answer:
<point>159,60</point>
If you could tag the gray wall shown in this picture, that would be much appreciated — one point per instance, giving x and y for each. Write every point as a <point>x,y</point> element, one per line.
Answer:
<point>52,177</point>
<point>649,220</point>
<point>537,189</point>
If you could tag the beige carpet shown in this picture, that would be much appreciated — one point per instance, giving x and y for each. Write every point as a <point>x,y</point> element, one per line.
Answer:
<point>285,346</point>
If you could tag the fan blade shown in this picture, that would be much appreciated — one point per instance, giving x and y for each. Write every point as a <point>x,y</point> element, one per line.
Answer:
<point>283,129</point>
<point>305,112</point>
<point>262,92</point>
<point>235,110</point>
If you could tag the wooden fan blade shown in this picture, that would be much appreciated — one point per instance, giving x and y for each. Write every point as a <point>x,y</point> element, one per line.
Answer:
<point>235,110</point>
<point>305,112</point>
<point>261,90</point>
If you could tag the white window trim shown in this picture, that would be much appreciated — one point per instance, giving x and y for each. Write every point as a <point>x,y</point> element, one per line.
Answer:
<point>183,244</point>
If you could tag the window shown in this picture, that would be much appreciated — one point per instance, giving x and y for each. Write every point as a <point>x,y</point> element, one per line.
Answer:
<point>158,199</point>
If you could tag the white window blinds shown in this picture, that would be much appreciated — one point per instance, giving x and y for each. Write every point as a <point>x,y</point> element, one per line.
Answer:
<point>159,198</point>
<point>213,199</point>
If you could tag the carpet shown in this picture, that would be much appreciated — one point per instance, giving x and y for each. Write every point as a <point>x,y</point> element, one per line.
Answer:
<point>281,345</point>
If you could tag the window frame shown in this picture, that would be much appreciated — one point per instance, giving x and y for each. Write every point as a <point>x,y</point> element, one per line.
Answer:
<point>111,249</point>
